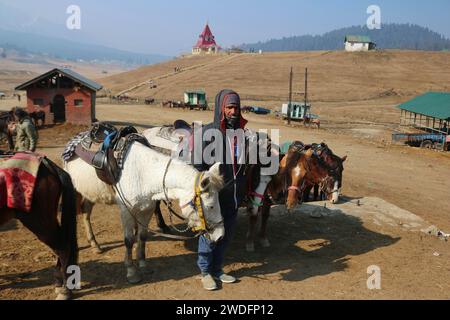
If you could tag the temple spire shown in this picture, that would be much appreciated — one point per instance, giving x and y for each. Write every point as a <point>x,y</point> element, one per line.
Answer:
<point>206,42</point>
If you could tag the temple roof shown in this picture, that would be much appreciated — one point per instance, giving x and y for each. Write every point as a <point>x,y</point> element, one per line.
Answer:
<point>206,39</point>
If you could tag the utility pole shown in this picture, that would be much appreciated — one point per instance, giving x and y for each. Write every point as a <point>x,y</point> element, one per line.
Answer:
<point>290,96</point>
<point>306,86</point>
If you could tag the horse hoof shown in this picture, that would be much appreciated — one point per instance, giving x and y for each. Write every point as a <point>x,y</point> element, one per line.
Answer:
<point>134,277</point>
<point>250,247</point>
<point>265,243</point>
<point>97,250</point>
<point>59,290</point>
<point>63,297</point>
<point>63,293</point>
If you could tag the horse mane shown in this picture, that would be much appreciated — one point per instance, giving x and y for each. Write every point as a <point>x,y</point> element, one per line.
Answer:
<point>294,154</point>
<point>332,155</point>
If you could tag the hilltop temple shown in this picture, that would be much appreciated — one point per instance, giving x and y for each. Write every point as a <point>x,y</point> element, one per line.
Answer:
<point>206,43</point>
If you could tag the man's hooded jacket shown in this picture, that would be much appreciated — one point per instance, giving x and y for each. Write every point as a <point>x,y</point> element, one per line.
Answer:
<point>233,173</point>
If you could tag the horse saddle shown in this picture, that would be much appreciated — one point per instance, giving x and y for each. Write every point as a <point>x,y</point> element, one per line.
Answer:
<point>297,146</point>
<point>175,133</point>
<point>104,149</point>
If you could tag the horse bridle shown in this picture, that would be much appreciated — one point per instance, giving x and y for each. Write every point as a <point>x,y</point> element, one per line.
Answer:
<point>317,150</point>
<point>196,203</point>
<point>303,186</point>
<point>323,186</point>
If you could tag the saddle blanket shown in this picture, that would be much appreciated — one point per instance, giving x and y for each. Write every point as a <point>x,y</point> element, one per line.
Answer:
<point>69,150</point>
<point>81,146</point>
<point>18,175</point>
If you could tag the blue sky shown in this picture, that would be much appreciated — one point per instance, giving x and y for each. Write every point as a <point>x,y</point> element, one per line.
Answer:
<point>172,26</point>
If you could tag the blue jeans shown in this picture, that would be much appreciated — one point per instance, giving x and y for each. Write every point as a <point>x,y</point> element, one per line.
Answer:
<point>211,255</point>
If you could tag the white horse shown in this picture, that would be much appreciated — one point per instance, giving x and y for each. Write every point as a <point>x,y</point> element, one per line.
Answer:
<point>255,198</point>
<point>143,178</point>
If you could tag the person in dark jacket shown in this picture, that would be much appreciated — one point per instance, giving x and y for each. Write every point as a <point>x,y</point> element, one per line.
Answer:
<point>227,116</point>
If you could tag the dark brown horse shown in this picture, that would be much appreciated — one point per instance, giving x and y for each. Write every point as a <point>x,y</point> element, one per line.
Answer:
<point>6,124</point>
<point>335,167</point>
<point>38,116</point>
<point>301,168</point>
<point>52,183</point>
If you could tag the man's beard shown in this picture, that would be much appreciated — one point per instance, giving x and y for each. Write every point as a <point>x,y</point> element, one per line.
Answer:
<point>233,122</point>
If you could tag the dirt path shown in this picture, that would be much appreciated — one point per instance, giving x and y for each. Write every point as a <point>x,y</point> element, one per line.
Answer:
<point>197,67</point>
<point>309,259</point>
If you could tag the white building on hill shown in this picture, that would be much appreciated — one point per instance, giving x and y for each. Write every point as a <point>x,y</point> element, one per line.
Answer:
<point>358,43</point>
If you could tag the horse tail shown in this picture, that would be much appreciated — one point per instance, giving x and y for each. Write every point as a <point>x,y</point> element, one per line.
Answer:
<point>68,213</point>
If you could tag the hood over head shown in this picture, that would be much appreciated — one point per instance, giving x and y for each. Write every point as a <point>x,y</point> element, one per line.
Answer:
<point>224,98</point>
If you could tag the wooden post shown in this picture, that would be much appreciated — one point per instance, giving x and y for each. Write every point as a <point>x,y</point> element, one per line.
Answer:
<point>306,87</point>
<point>291,78</point>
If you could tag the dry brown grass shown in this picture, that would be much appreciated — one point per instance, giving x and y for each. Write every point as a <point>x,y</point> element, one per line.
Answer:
<point>16,70</point>
<point>335,76</point>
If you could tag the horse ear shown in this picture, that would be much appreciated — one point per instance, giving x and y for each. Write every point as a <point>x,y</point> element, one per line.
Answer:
<point>344,158</point>
<point>215,169</point>
<point>215,177</point>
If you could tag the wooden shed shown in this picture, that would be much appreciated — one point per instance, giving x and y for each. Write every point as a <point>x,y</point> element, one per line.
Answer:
<point>64,96</point>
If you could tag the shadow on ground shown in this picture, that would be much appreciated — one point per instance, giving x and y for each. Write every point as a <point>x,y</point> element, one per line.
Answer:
<point>302,248</point>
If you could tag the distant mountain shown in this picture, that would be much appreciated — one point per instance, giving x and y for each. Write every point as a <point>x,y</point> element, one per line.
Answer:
<point>28,43</point>
<point>391,36</point>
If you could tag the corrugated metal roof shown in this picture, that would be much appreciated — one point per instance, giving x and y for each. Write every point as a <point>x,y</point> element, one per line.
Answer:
<point>66,72</point>
<point>431,104</point>
<point>360,39</point>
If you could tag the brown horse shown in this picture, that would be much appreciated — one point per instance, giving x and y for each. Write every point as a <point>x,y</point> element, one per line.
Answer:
<point>299,169</point>
<point>308,122</point>
<point>38,116</point>
<point>6,128</point>
<point>335,167</point>
<point>51,183</point>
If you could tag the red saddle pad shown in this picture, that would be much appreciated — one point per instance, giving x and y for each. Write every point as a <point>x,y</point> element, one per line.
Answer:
<point>17,180</point>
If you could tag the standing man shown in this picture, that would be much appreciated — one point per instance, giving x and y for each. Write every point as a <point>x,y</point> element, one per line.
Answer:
<point>227,115</point>
<point>26,139</point>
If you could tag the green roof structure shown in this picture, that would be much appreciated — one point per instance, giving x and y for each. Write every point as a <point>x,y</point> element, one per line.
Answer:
<point>431,104</point>
<point>359,39</point>
<point>195,91</point>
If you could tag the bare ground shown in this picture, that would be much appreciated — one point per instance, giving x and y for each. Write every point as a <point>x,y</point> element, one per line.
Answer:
<point>310,258</point>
